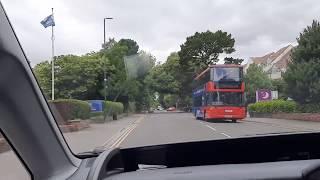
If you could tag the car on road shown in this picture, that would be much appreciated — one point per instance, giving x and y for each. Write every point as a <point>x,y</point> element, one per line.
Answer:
<point>171,109</point>
<point>159,108</point>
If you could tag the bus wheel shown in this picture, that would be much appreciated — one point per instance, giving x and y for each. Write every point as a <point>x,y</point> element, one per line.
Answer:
<point>234,120</point>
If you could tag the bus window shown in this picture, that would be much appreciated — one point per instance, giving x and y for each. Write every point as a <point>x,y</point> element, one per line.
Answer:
<point>224,98</point>
<point>225,74</point>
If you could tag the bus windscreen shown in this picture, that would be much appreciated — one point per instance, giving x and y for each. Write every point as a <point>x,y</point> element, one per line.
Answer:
<point>226,74</point>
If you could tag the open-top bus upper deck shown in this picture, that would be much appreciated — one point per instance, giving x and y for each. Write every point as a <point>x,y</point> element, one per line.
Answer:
<point>221,78</point>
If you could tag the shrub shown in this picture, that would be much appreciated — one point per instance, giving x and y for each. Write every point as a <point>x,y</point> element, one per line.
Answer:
<point>72,109</point>
<point>273,106</point>
<point>113,108</point>
<point>309,108</point>
<point>96,114</point>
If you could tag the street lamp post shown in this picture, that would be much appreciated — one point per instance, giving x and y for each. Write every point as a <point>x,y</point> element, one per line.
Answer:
<point>104,44</point>
<point>104,29</point>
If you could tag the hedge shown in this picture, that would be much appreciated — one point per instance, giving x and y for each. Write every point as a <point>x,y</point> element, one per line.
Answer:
<point>72,109</point>
<point>113,108</point>
<point>309,108</point>
<point>273,106</point>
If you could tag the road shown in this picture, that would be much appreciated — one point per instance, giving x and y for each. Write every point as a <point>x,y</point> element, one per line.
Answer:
<point>165,128</point>
<point>160,128</point>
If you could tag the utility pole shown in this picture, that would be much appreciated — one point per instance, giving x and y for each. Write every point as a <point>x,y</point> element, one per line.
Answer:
<point>52,63</point>
<point>104,44</point>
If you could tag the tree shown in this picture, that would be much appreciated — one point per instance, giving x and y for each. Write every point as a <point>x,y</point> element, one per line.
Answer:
<point>76,77</point>
<point>203,49</point>
<point>132,46</point>
<point>230,60</point>
<point>255,79</point>
<point>82,77</point>
<point>163,79</point>
<point>303,73</point>
<point>280,86</point>
<point>308,44</point>
<point>303,82</point>
<point>170,100</point>
<point>42,72</point>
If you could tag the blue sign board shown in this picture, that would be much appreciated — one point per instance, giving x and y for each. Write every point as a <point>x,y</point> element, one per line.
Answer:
<point>96,105</point>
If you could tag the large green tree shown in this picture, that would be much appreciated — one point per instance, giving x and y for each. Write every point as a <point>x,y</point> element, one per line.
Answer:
<point>132,46</point>
<point>303,73</point>
<point>255,78</point>
<point>280,86</point>
<point>82,77</point>
<point>75,76</point>
<point>42,72</point>
<point>164,79</point>
<point>203,49</point>
<point>126,81</point>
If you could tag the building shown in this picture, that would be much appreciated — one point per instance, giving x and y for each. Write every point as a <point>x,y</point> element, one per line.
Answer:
<point>274,63</point>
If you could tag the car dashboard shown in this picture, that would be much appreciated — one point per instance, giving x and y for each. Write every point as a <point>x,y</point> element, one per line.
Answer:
<point>290,156</point>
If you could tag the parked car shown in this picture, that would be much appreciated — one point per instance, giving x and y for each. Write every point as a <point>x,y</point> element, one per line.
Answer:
<point>171,109</point>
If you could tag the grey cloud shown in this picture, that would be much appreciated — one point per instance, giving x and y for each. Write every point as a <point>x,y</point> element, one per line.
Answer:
<point>161,26</point>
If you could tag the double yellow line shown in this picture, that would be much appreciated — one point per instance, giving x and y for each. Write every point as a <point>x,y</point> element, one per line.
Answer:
<point>116,143</point>
<point>123,136</point>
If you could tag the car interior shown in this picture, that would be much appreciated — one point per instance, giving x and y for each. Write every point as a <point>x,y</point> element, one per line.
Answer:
<point>28,125</point>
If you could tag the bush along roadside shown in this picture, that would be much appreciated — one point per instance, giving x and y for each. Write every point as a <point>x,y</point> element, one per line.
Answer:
<point>281,109</point>
<point>309,108</point>
<point>274,106</point>
<point>113,109</point>
<point>71,109</point>
<point>267,108</point>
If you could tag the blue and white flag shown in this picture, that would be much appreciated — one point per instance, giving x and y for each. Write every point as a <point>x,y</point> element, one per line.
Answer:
<point>48,21</point>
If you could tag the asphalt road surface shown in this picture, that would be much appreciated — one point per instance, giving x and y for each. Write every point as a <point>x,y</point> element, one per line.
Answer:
<point>160,128</point>
<point>163,128</point>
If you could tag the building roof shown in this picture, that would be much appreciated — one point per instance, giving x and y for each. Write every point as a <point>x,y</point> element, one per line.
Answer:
<point>280,58</point>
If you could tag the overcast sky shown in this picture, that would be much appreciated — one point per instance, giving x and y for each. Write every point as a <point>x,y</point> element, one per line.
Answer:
<point>258,26</point>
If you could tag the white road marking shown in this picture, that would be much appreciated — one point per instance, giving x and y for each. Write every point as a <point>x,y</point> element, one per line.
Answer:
<point>201,122</point>
<point>226,135</point>
<point>211,128</point>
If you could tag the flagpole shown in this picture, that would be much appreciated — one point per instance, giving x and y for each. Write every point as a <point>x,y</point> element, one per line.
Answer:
<point>52,61</point>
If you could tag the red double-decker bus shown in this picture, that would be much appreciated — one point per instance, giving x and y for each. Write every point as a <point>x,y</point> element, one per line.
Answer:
<point>219,93</point>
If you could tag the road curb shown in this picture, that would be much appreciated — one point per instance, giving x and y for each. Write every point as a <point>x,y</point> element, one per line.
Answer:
<point>279,125</point>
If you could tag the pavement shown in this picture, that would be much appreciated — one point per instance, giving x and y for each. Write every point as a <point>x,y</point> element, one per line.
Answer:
<point>160,128</point>
<point>98,135</point>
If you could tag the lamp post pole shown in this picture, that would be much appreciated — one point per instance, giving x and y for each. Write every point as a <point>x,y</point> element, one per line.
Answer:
<point>104,44</point>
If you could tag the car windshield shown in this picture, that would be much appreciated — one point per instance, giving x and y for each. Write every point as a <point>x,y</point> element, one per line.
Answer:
<point>121,73</point>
